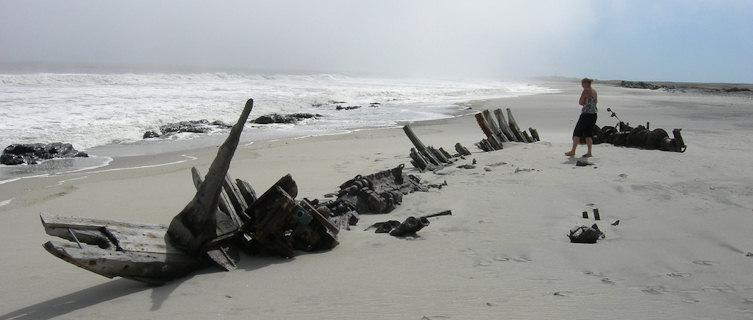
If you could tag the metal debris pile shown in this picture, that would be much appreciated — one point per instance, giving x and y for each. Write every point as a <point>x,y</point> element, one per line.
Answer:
<point>642,137</point>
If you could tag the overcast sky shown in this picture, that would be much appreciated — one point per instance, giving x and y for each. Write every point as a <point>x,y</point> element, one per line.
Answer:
<point>684,40</point>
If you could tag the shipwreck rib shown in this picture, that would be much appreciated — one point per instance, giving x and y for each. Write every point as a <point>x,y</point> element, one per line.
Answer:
<point>195,224</point>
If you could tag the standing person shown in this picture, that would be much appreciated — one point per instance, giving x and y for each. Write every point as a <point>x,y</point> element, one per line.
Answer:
<point>587,121</point>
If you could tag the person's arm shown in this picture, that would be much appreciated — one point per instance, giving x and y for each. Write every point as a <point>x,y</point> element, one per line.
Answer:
<point>583,95</point>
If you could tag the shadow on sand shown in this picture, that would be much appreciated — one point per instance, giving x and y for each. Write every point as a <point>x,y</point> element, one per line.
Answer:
<point>119,288</point>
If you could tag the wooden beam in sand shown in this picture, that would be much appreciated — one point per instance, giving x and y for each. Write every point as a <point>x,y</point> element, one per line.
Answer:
<point>491,138</point>
<point>504,126</point>
<point>420,147</point>
<point>514,127</point>
<point>494,126</point>
<point>195,225</point>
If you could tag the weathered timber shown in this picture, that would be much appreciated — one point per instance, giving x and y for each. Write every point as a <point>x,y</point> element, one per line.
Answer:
<point>222,250</point>
<point>115,248</point>
<point>493,140</point>
<point>234,194</point>
<point>485,145</point>
<point>504,126</point>
<point>418,160</point>
<point>514,127</point>
<point>463,151</point>
<point>527,137</point>
<point>494,126</point>
<point>247,191</point>
<point>445,154</point>
<point>195,224</point>
<point>226,218</point>
<point>534,134</point>
<point>420,145</point>
<point>438,155</point>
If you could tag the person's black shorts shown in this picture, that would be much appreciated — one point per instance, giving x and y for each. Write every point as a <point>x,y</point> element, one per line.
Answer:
<point>585,126</point>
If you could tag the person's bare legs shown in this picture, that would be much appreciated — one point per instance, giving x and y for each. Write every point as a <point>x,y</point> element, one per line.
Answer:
<point>589,143</point>
<point>576,141</point>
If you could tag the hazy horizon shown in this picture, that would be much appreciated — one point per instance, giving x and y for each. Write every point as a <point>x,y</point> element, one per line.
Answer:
<point>689,41</point>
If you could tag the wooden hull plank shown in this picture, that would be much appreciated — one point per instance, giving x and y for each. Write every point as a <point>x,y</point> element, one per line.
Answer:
<point>115,248</point>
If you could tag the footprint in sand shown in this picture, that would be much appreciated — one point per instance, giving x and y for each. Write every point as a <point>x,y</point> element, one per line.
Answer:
<point>600,275</point>
<point>678,275</point>
<point>653,290</point>
<point>691,300</point>
<point>705,262</point>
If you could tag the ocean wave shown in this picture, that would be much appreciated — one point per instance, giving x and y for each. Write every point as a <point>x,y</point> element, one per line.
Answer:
<point>91,110</point>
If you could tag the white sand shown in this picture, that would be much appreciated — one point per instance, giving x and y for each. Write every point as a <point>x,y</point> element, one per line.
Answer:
<point>679,251</point>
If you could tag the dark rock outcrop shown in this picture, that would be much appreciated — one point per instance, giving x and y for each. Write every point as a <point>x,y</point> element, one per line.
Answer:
<point>193,126</point>
<point>643,85</point>
<point>284,118</point>
<point>15,154</point>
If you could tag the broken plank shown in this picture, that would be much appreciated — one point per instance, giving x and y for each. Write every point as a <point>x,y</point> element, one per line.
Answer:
<point>420,147</point>
<point>195,224</point>
<point>504,126</point>
<point>248,192</point>
<point>491,138</point>
<point>494,126</point>
<point>514,127</point>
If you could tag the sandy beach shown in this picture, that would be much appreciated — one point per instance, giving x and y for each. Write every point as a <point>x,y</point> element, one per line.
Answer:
<point>682,248</point>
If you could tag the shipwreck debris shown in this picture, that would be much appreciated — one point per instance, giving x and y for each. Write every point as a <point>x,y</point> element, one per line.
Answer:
<point>409,226</point>
<point>377,193</point>
<point>226,216</point>
<point>222,218</point>
<point>642,137</point>
<point>498,130</point>
<point>585,234</point>
<point>114,248</point>
<point>429,158</point>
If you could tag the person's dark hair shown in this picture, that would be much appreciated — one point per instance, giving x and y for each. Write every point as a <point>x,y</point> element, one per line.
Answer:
<point>587,80</point>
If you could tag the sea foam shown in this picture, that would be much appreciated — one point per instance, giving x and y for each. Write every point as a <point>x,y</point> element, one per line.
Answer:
<point>90,110</point>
